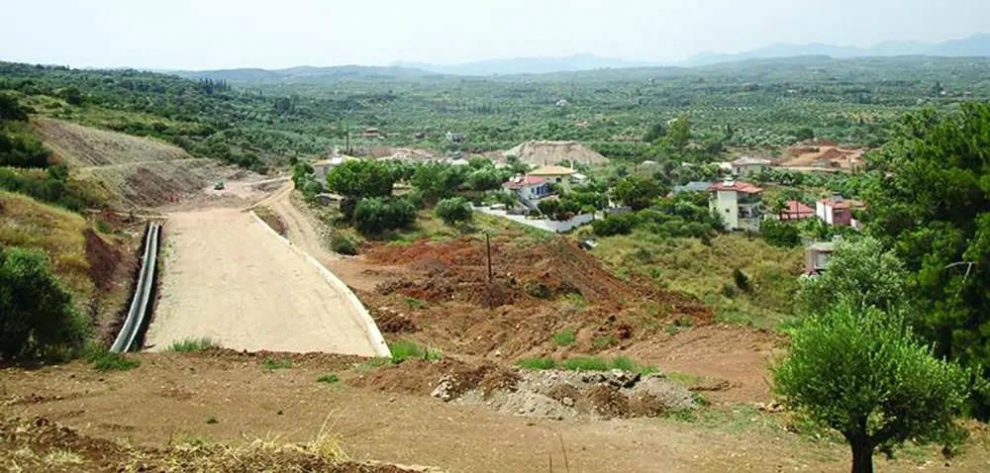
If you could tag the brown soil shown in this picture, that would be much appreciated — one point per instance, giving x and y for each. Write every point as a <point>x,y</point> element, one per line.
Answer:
<point>537,291</point>
<point>169,397</point>
<point>40,444</point>
<point>541,153</point>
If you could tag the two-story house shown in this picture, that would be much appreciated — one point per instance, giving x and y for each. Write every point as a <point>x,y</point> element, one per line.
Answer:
<point>738,203</point>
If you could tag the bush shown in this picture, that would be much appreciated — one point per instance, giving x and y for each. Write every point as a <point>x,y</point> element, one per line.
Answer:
<point>192,345</point>
<point>343,244</point>
<point>565,337</point>
<point>37,316</point>
<point>110,361</point>
<point>780,234</point>
<point>403,350</point>
<point>741,280</point>
<point>537,363</point>
<point>614,225</point>
<point>374,216</point>
<point>328,379</point>
<point>453,210</point>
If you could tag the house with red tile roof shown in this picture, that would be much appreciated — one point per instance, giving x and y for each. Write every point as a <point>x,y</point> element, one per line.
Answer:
<point>795,210</point>
<point>529,188</point>
<point>837,211</point>
<point>738,203</point>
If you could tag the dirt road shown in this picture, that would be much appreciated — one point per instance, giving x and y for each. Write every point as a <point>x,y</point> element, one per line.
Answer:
<point>229,278</point>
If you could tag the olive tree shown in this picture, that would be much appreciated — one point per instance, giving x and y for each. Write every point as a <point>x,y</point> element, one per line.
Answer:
<point>861,273</point>
<point>37,316</point>
<point>865,374</point>
<point>453,210</point>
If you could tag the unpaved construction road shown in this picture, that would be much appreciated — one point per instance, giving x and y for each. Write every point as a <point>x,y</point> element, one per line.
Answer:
<point>229,278</point>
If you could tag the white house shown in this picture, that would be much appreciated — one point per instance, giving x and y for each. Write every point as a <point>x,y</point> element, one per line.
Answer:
<point>748,166</point>
<point>529,188</point>
<point>556,175</point>
<point>738,203</point>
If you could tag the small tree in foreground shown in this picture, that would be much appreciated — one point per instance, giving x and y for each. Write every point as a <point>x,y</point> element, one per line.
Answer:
<point>868,377</point>
<point>36,312</point>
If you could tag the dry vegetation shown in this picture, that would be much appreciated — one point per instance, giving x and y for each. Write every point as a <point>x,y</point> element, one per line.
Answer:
<point>707,272</point>
<point>95,266</point>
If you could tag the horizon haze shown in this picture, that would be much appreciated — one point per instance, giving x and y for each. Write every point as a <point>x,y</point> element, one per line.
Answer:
<point>254,34</point>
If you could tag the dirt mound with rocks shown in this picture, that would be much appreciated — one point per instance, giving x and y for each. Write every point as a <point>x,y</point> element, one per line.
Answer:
<point>545,153</point>
<point>559,394</point>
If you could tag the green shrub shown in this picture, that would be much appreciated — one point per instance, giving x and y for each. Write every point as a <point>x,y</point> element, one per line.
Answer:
<point>780,234</point>
<point>343,244</point>
<point>585,364</point>
<point>741,280</point>
<point>110,361</point>
<point>453,210</point>
<point>191,345</point>
<point>614,225</point>
<point>403,350</point>
<point>582,363</point>
<point>37,316</point>
<point>276,363</point>
<point>565,337</point>
<point>375,215</point>
<point>603,341</point>
<point>537,363</point>
<point>328,379</point>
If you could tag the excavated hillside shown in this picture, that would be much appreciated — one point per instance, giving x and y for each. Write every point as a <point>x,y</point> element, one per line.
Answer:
<point>133,171</point>
<point>443,296</point>
<point>545,153</point>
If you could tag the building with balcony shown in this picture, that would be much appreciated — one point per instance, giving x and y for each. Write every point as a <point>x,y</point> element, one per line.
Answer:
<point>739,204</point>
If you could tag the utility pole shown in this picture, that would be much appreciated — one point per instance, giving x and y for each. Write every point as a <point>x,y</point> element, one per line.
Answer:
<point>488,247</point>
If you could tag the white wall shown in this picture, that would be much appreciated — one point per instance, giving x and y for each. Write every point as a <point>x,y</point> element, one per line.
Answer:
<point>726,205</point>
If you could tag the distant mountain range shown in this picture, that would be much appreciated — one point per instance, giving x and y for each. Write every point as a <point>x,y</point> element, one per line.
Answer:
<point>973,46</point>
<point>528,65</point>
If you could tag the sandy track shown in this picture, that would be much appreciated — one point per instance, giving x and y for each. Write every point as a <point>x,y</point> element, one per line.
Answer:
<point>228,278</point>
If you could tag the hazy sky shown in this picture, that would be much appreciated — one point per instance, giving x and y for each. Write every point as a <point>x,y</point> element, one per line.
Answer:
<point>206,34</point>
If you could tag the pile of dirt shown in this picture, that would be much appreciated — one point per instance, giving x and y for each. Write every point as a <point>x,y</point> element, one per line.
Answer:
<point>421,376</point>
<point>457,270</point>
<point>41,445</point>
<point>545,153</point>
<point>443,295</point>
<point>558,394</point>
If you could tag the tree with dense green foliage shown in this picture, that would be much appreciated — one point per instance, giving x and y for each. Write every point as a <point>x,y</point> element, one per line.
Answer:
<point>864,373</point>
<point>782,234</point>
<point>37,316</point>
<point>861,274</point>
<point>11,108</point>
<point>931,204</point>
<point>679,135</point>
<point>375,215</point>
<point>657,131</point>
<point>621,224</point>
<point>436,181</point>
<point>454,210</point>
<point>637,191</point>
<point>486,179</point>
<point>360,179</point>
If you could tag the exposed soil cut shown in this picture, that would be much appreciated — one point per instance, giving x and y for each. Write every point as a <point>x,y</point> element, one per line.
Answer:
<point>536,291</point>
<point>542,153</point>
